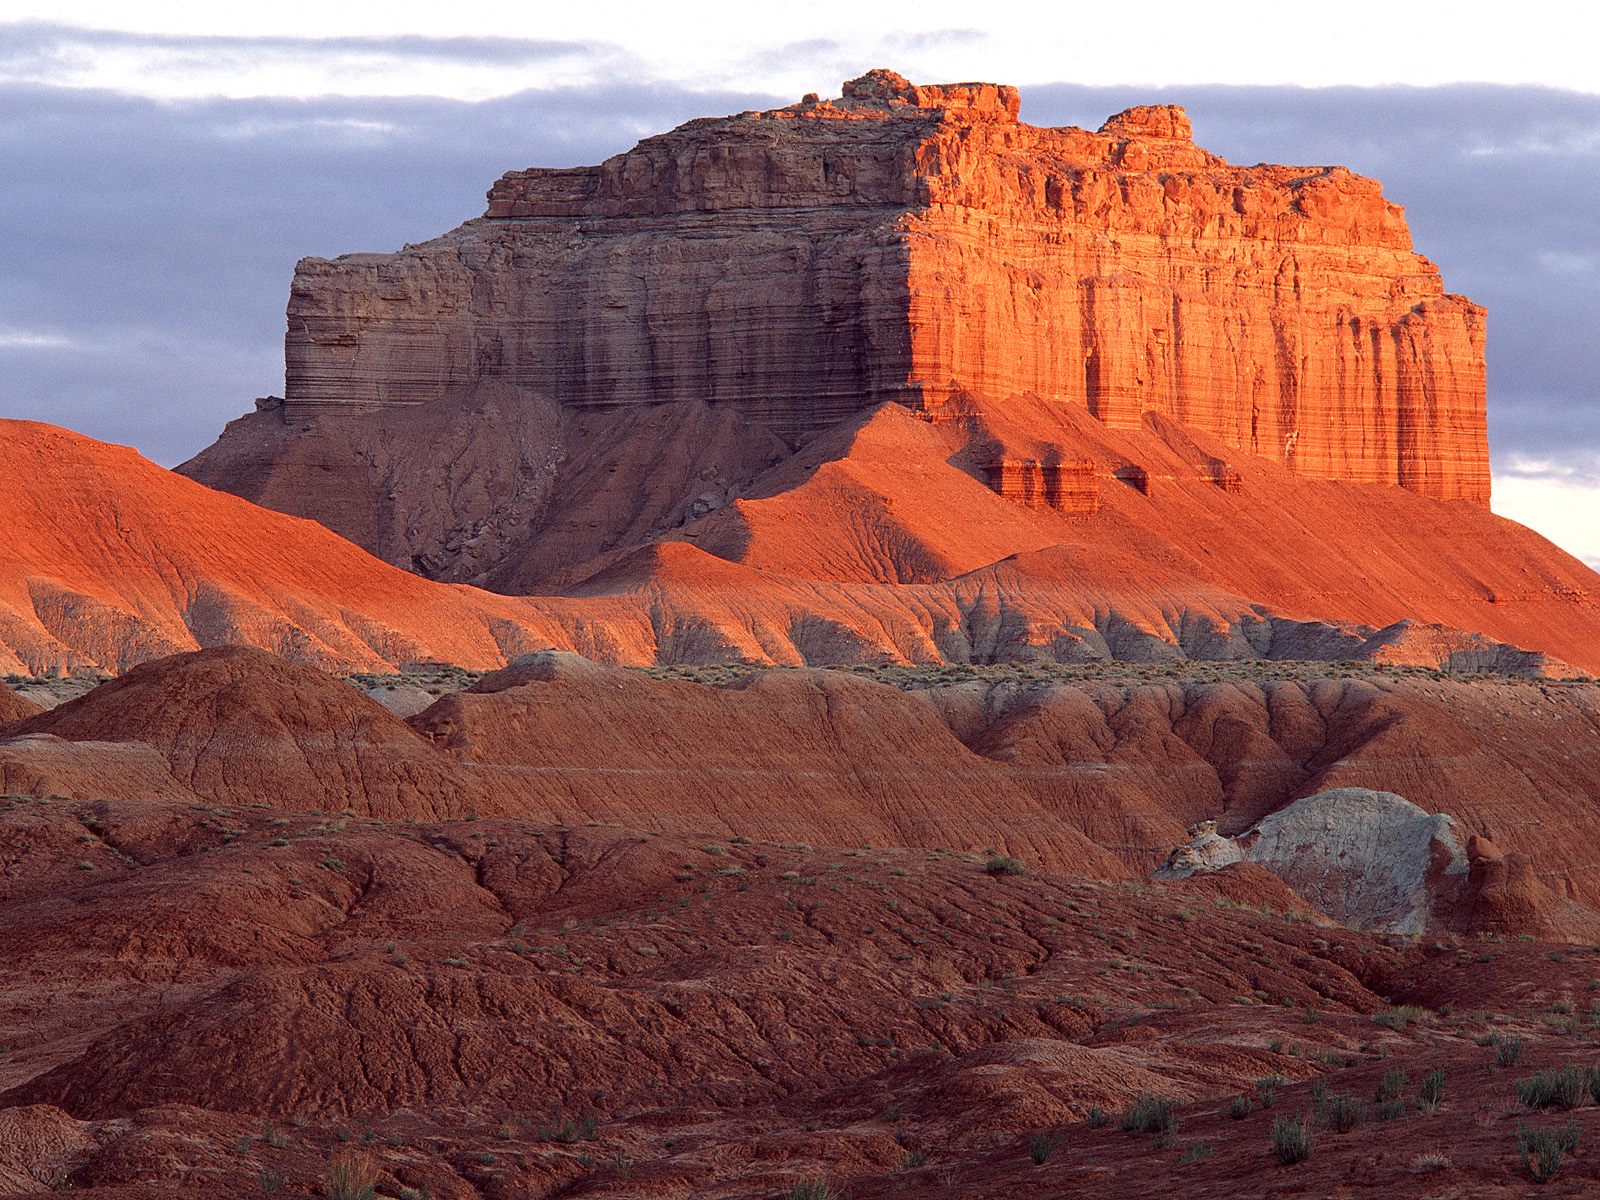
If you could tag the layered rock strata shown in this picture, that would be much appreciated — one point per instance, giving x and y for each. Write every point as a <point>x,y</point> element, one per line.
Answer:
<point>922,245</point>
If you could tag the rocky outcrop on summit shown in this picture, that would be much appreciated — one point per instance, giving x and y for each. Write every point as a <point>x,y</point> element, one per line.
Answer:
<point>897,377</point>
<point>647,407</point>
<point>922,245</point>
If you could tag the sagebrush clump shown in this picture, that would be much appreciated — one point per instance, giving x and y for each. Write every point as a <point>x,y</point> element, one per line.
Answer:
<point>1555,1087</point>
<point>1150,1114</point>
<point>814,1189</point>
<point>352,1175</point>
<point>1291,1139</point>
<point>1543,1149</point>
<point>1399,1017</point>
<point>1432,1090</point>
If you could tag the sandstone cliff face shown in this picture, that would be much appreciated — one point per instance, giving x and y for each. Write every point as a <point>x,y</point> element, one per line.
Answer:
<point>922,245</point>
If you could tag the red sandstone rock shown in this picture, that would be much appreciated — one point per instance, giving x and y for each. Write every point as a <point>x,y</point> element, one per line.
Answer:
<point>1136,423</point>
<point>919,244</point>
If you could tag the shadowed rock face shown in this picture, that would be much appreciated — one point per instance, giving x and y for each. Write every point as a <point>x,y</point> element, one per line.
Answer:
<point>921,245</point>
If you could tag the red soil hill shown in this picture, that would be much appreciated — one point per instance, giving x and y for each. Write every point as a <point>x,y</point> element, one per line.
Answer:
<point>14,707</point>
<point>236,725</point>
<point>108,560</point>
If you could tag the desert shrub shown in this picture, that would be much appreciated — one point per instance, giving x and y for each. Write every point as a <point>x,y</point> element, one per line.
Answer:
<point>1507,1051</point>
<point>1239,1108</point>
<point>1002,864</point>
<point>1267,1089</point>
<point>1097,1117</point>
<point>1543,1149</point>
<point>1429,1162</point>
<point>1554,1087</point>
<point>814,1189</point>
<point>1041,1146</point>
<point>568,1131</point>
<point>1391,1110</point>
<point>1291,1139</point>
<point>1432,1089</point>
<point>1342,1113</point>
<point>1150,1114</point>
<point>1392,1086</point>
<point>1195,1151</point>
<point>352,1175</point>
<point>1400,1016</point>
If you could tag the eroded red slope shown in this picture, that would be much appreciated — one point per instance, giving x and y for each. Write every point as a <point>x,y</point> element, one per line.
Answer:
<point>14,707</point>
<point>1099,777</point>
<point>883,499</point>
<point>109,560</point>
<point>871,545</point>
<point>228,998</point>
<point>237,725</point>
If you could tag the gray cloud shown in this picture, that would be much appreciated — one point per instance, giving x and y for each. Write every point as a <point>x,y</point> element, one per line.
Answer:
<point>41,46</point>
<point>150,244</point>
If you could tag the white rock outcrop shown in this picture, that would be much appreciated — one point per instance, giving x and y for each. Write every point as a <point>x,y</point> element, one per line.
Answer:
<point>1372,860</point>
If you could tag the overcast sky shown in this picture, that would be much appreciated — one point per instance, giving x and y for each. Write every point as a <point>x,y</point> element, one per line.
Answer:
<point>165,164</point>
